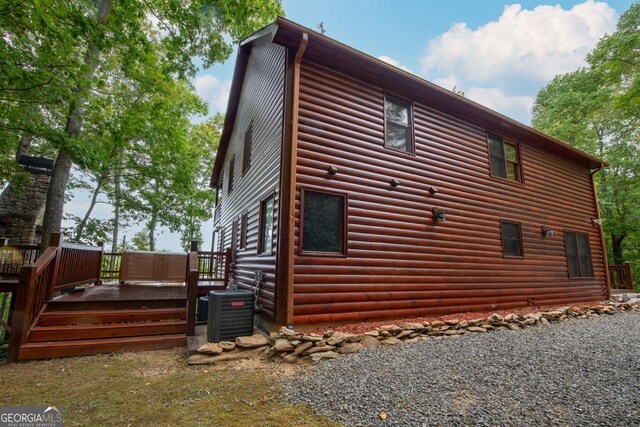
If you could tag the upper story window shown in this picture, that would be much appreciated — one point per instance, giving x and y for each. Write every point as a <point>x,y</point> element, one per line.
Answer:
<point>504,159</point>
<point>246,152</point>
<point>511,239</point>
<point>398,124</point>
<point>231,170</point>
<point>323,223</point>
<point>578,254</point>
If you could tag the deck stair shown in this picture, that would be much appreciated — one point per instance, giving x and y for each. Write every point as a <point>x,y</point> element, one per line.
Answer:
<point>77,328</point>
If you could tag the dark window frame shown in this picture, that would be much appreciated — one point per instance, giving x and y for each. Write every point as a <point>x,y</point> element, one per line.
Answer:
<point>232,166</point>
<point>520,239</point>
<point>516,145</point>
<point>244,222</point>
<point>411,126</point>
<point>345,217</point>
<point>261,224</point>
<point>234,240</point>
<point>566,252</point>
<point>247,149</point>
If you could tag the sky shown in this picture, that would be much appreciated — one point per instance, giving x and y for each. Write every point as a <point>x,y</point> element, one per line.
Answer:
<point>498,53</point>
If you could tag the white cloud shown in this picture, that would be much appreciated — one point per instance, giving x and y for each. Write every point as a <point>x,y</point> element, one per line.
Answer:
<point>503,63</point>
<point>394,62</point>
<point>213,90</point>
<point>538,43</point>
<point>448,82</point>
<point>515,106</point>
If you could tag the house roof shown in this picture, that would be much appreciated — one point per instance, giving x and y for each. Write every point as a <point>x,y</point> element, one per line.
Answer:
<point>340,57</point>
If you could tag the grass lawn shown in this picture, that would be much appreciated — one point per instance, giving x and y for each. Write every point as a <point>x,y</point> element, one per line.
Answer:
<point>155,388</point>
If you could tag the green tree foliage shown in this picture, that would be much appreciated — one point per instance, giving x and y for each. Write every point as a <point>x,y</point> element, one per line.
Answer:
<point>597,109</point>
<point>77,78</point>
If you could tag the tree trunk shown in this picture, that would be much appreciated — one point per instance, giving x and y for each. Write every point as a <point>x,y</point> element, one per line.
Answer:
<point>60,175</point>
<point>152,232</point>
<point>54,207</point>
<point>87,215</point>
<point>116,209</point>
<point>616,246</point>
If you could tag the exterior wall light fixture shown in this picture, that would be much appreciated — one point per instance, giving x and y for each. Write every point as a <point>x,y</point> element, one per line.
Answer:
<point>394,182</point>
<point>547,232</point>
<point>439,215</point>
<point>332,170</point>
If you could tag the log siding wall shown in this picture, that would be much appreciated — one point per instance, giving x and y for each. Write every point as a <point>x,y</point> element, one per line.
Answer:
<point>399,262</point>
<point>261,106</point>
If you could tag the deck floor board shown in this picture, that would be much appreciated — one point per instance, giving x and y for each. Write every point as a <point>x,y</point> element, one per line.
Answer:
<point>127,292</point>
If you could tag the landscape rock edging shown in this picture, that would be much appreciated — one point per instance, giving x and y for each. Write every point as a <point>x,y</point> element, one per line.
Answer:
<point>292,346</point>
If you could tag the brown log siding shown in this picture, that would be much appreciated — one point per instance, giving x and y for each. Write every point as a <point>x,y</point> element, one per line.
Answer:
<point>261,103</point>
<point>399,262</point>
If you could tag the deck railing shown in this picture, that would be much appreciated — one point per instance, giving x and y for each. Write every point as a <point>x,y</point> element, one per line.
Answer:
<point>13,257</point>
<point>206,271</point>
<point>61,266</point>
<point>621,277</point>
<point>111,262</point>
<point>79,265</point>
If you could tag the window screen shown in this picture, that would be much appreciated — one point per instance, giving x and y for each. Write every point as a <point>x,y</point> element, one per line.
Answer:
<point>504,160</point>
<point>266,225</point>
<point>243,230</point>
<point>578,254</point>
<point>398,134</point>
<point>511,239</point>
<point>323,222</point>
<point>246,152</point>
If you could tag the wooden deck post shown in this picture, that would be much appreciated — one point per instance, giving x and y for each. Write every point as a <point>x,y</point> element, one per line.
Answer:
<point>21,315</point>
<point>98,281</point>
<point>55,241</point>
<point>628,276</point>
<point>192,288</point>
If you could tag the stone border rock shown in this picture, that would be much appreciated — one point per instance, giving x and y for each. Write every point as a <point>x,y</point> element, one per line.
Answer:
<point>292,346</point>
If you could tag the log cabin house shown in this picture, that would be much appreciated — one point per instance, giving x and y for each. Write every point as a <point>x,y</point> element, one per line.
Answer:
<point>363,192</point>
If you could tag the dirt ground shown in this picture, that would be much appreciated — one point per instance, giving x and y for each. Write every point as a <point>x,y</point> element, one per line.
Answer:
<point>156,388</point>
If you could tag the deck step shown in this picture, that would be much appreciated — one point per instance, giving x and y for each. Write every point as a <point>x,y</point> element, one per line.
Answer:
<point>48,350</point>
<point>71,317</point>
<point>108,330</point>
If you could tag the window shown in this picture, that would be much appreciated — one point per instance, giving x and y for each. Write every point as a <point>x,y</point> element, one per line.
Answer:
<point>246,153</point>
<point>578,254</point>
<point>234,240</point>
<point>504,159</point>
<point>511,239</point>
<point>397,125</point>
<point>323,222</point>
<point>243,230</point>
<point>231,170</point>
<point>265,236</point>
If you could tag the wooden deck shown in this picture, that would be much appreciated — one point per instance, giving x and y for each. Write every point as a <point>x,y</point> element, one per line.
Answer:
<point>127,292</point>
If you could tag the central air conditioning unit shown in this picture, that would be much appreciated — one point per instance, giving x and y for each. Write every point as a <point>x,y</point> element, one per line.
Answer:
<point>230,315</point>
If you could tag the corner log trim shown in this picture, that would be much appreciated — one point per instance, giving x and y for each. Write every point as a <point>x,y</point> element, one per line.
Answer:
<point>291,214</point>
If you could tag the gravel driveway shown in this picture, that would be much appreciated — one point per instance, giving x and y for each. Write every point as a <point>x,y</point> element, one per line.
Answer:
<point>574,373</point>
